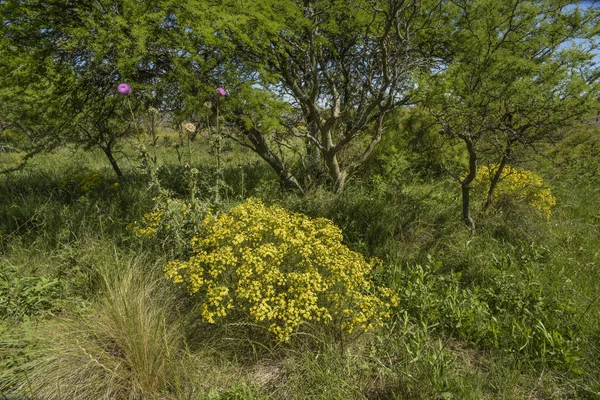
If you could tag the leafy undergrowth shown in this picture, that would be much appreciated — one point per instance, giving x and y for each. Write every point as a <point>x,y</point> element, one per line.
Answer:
<point>508,312</point>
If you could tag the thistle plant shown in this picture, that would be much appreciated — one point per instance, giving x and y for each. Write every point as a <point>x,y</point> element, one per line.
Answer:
<point>219,150</point>
<point>171,223</point>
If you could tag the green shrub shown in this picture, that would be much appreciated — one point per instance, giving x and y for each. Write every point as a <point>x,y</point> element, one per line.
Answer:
<point>511,313</point>
<point>171,224</point>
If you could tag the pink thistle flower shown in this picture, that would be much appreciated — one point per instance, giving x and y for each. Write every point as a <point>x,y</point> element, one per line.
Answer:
<point>124,88</point>
<point>221,91</point>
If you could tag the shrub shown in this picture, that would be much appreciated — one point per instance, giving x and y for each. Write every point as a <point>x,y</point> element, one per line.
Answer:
<point>281,269</point>
<point>83,181</point>
<point>511,313</point>
<point>519,184</point>
<point>171,224</point>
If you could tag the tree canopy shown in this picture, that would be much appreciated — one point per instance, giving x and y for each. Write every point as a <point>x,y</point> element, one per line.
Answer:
<point>324,75</point>
<point>518,74</point>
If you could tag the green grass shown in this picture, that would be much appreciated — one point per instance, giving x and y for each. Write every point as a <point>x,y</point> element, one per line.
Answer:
<point>512,311</point>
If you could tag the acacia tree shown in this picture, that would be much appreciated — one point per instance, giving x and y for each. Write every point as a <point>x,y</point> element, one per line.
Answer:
<point>64,60</point>
<point>513,80</point>
<point>343,66</point>
<point>256,119</point>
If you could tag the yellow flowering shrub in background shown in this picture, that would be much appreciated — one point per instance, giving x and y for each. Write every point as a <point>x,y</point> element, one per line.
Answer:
<point>519,184</point>
<point>82,180</point>
<point>281,269</point>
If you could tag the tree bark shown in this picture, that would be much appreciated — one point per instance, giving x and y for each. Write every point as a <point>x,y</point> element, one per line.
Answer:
<point>466,206</point>
<point>341,181</point>
<point>313,156</point>
<point>335,172</point>
<point>113,162</point>
<point>466,183</point>
<point>494,183</point>
<point>261,147</point>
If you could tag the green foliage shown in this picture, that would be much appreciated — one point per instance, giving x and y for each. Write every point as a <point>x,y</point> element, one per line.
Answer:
<point>84,181</point>
<point>121,348</point>
<point>413,146</point>
<point>28,296</point>
<point>171,224</point>
<point>34,206</point>
<point>511,313</point>
<point>512,82</point>
<point>65,61</point>
<point>508,311</point>
<point>325,58</point>
<point>175,179</point>
<point>19,344</point>
<point>516,316</point>
<point>388,220</point>
<point>512,79</point>
<point>13,140</point>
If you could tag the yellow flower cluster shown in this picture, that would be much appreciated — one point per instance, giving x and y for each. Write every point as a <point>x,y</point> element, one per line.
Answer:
<point>83,180</point>
<point>150,224</point>
<point>281,269</point>
<point>520,184</point>
<point>162,217</point>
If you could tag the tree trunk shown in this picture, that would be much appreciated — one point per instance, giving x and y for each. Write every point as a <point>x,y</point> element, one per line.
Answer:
<point>113,162</point>
<point>494,183</point>
<point>466,206</point>
<point>260,146</point>
<point>337,174</point>
<point>314,165</point>
<point>466,183</point>
<point>341,181</point>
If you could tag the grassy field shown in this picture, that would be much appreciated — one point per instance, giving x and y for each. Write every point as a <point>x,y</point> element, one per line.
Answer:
<point>511,311</point>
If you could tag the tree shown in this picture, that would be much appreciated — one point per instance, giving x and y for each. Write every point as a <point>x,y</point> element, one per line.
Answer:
<point>64,60</point>
<point>513,79</point>
<point>343,66</point>
<point>262,123</point>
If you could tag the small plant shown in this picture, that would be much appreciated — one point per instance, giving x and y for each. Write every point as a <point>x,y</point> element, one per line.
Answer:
<point>27,296</point>
<point>280,269</point>
<point>519,184</point>
<point>85,181</point>
<point>171,224</point>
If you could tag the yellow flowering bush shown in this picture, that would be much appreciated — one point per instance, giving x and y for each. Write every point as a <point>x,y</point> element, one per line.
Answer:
<point>82,180</point>
<point>281,269</point>
<point>519,184</point>
<point>149,226</point>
